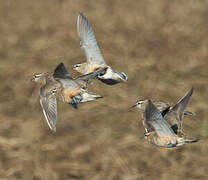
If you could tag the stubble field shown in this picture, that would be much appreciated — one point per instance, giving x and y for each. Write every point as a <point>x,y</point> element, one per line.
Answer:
<point>163,48</point>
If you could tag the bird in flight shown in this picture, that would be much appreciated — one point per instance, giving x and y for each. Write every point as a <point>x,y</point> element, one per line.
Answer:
<point>60,85</point>
<point>72,91</point>
<point>173,114</point>
<point>94,56</point>
<point>159,132</point>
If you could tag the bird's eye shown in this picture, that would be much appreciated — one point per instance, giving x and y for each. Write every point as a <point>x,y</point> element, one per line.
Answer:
<point>76,65</point>
<point>54,91</point>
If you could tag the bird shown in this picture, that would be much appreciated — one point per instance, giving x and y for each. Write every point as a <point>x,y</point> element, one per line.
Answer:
<point>160,132</point>
<point>61,86</point>
<point>72,91</point>
<point>82,80</point>
<point>172,113</point>
<point>94,56</point>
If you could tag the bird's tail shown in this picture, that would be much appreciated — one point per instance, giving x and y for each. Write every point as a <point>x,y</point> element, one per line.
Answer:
<point>189,113</point>
<point>90,97</point>
<point>191,140</point>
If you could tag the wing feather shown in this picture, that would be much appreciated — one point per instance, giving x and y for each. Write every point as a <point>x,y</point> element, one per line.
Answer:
<point>175,115</point>
<point>88,41</point>
<point>155,121</point>
<point>49,106</point>
<point>61,72</point>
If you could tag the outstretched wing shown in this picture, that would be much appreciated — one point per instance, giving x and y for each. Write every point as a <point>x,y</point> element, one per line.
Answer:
<point>88,41</point>
<point>175,115</point>
<point>49,106</point>
<point>61,72</point>
<point>155,122</point>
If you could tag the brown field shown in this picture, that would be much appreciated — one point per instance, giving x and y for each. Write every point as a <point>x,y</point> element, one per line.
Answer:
<point>163,48</point>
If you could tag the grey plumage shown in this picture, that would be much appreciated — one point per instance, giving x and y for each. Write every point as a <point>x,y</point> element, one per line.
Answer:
<point>94,56</point>
<point>88,41</point>
<point>49,105</point>
<point>62,86</point>
<point>160,132</point>
<point>73,91</point>
<point>175,115</point>
<point>48,98</point>
<point>172,113</point>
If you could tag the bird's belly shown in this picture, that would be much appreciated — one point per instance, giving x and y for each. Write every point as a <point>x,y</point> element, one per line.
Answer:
<point>109,77</point>
<point>69,94</point>
<point>165,141</point>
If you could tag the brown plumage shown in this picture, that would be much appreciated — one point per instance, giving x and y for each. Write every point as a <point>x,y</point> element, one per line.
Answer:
<point>172,113</point>
<point>73,91</point>
<point>62,86</point>
<point>160,132</point>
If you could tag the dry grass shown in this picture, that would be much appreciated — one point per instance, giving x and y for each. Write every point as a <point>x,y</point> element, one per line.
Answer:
<point>161,45</point>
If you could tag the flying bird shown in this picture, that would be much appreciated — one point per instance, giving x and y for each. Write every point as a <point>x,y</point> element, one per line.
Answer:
<point>94,56</point>
<point>63,87</point>
<point>160,132</point>
<point>172,113</point>
<point>72,91</point>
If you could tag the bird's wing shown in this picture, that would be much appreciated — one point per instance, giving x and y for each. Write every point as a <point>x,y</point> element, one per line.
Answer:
<point>175,115</point>
<point>88,41</point>
<point>155,121</point>
<point>49,106</point>
<point>61,72</point>
<point>92,75</point>
<point>162,106</point>
<point>62,75</point>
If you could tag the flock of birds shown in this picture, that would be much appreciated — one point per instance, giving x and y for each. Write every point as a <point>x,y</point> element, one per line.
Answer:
<point>162,122</point>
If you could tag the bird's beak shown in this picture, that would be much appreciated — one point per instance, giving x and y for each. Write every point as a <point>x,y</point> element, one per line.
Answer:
<point>133,106</point>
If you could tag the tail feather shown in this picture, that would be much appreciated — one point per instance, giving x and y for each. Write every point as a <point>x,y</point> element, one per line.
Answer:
<point>190,140</point>
<point>90,97</point>
<point>189,113</point>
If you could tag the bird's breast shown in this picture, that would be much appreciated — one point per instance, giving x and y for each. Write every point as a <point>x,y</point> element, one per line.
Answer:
<point>94,68</point>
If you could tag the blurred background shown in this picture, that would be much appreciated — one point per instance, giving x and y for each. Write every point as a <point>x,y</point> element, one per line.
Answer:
<point>163,48</point>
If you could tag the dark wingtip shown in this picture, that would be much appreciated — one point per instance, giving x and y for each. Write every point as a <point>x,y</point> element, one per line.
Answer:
<point>61,72</point>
